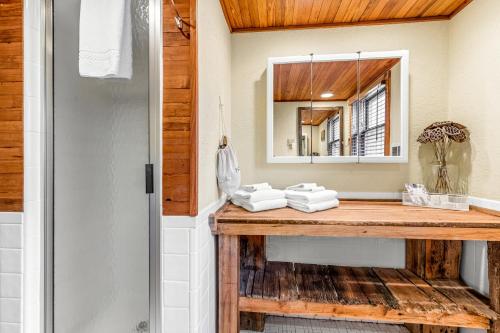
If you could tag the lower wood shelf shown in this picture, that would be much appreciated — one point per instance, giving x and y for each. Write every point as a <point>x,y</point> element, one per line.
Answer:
<point>378,294</point>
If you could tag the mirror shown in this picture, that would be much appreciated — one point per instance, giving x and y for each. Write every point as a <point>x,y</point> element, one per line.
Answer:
<point>348,108</point>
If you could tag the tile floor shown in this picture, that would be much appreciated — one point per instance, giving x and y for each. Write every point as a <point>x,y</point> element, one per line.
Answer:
<point>299,325</point>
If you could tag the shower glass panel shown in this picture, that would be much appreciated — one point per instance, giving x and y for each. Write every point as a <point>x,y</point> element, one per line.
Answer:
<point>101,209</point>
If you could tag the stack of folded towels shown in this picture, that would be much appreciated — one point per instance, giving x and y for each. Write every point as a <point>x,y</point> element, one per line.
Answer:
<point>310,198</point>
<point>259,197</point>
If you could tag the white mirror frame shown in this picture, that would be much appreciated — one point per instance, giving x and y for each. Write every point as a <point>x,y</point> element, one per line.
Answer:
<point>404,55</point>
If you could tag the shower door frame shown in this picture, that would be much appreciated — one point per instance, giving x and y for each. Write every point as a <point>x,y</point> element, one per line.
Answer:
<point>155,158</point>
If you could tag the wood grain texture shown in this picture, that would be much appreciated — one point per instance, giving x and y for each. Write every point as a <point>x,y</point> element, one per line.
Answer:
<point>391,295</point>
<point>494,280</point>
<point>11,106</point>
<point>180,112</point>
<point>245,15</point>
<point>292,82</point>
<point>229,284</point>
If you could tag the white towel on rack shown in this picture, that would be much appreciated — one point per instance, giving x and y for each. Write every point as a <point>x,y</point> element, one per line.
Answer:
<point>311,197</point>
<point>261,205</point>
<point>105,39</point>
<point>313,207</point>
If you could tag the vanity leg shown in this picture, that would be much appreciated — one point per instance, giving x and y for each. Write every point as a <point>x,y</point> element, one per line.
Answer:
<point>494,277</point>
<point>431,259</point>
<point>229,280</point>
<point>253,255</point>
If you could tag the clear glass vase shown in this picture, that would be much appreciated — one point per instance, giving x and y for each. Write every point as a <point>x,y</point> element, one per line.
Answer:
<point>444,178</point>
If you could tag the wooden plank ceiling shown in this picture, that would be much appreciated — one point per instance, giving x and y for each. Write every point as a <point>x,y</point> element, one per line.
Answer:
<point>319,115</point>
<point>251,15</point>
<point>11,105</point>
<point>292,81</point>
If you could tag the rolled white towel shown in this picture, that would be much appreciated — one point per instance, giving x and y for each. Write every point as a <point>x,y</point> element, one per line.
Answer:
<point>313,207</point>
<point>311,197</point>
<point>244,196</point>
<point>261,205</point>
<point>256,187</point>
<point>302,187</point>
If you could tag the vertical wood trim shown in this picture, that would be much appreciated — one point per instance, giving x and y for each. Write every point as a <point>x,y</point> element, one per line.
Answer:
<point>11,106</point>
<point>431,259</point>
<point>193,170</point>
<point>253,256</point>
<point>494,281</point>
<point>387,138</point>
<point>229,284</point>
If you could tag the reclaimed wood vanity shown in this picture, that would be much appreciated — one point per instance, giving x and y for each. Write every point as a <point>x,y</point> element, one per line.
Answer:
<point>426,296</point>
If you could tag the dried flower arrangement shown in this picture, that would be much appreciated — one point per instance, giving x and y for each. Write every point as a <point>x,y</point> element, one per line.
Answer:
<point>442,134</point>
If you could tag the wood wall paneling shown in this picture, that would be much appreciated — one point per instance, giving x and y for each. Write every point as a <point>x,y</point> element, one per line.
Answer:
<point>11,105</point>
<point>180,102</point>
<point>255,15</point>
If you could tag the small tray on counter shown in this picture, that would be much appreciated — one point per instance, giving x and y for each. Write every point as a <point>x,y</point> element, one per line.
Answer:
<point>438,201</point>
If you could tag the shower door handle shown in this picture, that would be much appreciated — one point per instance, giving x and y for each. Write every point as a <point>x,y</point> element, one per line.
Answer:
<point>150,179</point>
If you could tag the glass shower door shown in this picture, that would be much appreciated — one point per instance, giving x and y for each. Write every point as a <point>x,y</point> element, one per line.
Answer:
<point>101,209</point>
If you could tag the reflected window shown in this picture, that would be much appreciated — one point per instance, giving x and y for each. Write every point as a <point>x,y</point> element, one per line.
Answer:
<point>369,123</point>
<point>333,128</point>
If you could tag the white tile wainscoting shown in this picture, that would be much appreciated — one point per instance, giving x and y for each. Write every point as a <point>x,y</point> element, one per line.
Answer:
<point>189,273</point>
<point>11,272</point>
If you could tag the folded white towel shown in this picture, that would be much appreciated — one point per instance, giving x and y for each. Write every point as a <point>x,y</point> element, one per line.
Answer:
<point>257,196</point>
<point>311,197</point>
<point>256,187</point>
<point>314,207</point>
<point>261,205</point>
<point>306,189</point>
<point>302,187</point>
<point>105,39</point>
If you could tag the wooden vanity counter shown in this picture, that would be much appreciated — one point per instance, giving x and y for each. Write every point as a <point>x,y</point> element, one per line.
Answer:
<point>428,295</point>
<point>361,219</point>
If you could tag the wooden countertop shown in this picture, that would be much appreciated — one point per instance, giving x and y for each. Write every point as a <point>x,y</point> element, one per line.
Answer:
<point>361,219</point>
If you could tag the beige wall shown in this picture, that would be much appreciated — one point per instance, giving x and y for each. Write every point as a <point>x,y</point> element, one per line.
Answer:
<point>214,65</point>
<point>474,68</point>
<point>428,44</point>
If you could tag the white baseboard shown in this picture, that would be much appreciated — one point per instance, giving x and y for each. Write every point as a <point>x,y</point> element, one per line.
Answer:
<point>370,195</point>
<point>485,203</point>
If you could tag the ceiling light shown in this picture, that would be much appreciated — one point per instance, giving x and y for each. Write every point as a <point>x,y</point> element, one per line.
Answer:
<point>327,94</point>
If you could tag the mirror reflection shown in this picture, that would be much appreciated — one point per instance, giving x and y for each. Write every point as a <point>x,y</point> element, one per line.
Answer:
<point>330,109</point>
<point>376,113</point>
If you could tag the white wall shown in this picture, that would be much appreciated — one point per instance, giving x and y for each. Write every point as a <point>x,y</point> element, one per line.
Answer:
<point>428,45</point>
<point>474,81</point>
<point>214,66</point>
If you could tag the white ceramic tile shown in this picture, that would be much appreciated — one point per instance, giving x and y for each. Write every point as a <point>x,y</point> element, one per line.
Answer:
<point>32,149</point>
<point>10,285</point>
<point>176,294</point>
<point>194,239</point>
<point>32,80</point>
<point>10,261</point>
<point>10,310</point>
<point>32,114</point>
<point>11,218</point>
<point>175,240</point>
<point>32,213</point>
<point>176,267</point>
<point>32,184</point>
<point>194,310</point>
<point>10,328</point>
<point>194,266</point>
<point>10,236</point>
<point>176,320</point>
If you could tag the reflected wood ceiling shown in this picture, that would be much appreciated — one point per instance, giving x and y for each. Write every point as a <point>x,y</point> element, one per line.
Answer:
<point>252,15</point>
<point>319,115</point>
<point>292,82</point>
